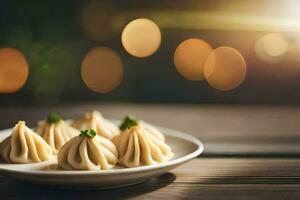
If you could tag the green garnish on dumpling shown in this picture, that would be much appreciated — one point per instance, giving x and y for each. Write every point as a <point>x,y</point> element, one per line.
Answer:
<point>128,122</point>
<point>53,117</point>
<point>88,133</point>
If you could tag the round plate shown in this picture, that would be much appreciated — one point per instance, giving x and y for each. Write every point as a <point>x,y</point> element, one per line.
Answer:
<point>184,146</point>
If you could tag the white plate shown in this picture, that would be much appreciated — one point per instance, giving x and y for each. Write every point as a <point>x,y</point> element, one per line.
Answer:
<point>185,147</point>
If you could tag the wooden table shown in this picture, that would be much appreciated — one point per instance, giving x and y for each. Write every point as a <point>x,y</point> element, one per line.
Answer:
<point>252,152</point>
<point>201,178</point>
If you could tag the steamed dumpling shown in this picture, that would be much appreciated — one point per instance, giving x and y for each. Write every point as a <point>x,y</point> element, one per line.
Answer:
<point>55,131</point>
<point>24,146</point>
<point>94,120</point>
<point>129,121</point>
<point>154,131</point>
<point>88,151</point>
<point>137,146</point>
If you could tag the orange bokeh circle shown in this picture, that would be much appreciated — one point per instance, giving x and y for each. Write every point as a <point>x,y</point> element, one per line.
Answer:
<point>225,68</point>
<point>190,56</point>
<point>14,70</point>
<point>102,70</point>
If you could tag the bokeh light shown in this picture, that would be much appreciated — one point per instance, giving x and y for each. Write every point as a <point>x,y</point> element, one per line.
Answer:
<point>97,20</point>
<point>141,37</point>
<point>271,46</point>
<point>13,70</point>
<point>102,70</point>
<point>190,56</point>
<point>225,68</point>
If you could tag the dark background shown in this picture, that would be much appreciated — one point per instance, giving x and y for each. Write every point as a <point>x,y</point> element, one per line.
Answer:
<point>38,27</point>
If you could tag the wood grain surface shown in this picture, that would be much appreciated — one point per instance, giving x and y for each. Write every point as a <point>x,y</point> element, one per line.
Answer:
<point>201,178</point>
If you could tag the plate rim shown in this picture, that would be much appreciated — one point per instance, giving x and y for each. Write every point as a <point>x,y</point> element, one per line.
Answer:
<point>166,131</point>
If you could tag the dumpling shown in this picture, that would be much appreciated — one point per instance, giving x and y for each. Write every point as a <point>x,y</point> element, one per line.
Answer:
<point>130,121</point>
<point>88,151</point>
<point>154,131</point>
<point>55,131</point>
<point>137,146</point>
<point>24,146</point>
<point>94,120</point>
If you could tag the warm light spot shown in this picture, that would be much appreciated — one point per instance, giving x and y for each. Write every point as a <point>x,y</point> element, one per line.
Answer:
<point>270,46</point>
<point>13,70</point>
<point>102,69</point>
<point>141,37</point>
<point>225,68</point>
<point>275,44</point>
<point>97,18</point>
<point>189,58</point>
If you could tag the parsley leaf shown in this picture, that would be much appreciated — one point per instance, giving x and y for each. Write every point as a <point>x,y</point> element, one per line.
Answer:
<point>53,117</point>
<point>127,123</point>
<point>88,133</point>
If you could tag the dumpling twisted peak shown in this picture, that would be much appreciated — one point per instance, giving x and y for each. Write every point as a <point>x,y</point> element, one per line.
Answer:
<point>56,133</point>
<point>137,146</point>
<point>24,146</point>
<point>94,120</point>
<point>131,121</point>
<point>88,152</point>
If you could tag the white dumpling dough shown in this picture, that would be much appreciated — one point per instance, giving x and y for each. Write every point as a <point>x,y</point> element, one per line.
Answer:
<point>94,120</point>
<point>56,134</point>
<point>137,146</point>
<point>152,130</point>
<point>24,146</point>
<point>85,153</point>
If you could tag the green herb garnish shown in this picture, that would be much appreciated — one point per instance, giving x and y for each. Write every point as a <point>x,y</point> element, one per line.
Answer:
<point>53,117</point>
<point>127,123</point>
<point>88,133</point>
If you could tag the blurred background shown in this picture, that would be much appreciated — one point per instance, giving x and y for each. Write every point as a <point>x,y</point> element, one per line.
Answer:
<point>227,72</point>
<point>193,51</point>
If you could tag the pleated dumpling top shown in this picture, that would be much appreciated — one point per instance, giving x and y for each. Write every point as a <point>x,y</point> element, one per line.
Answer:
<point>137,146</point>
<point>55,131</point>
<point>24,146</point>
<point>88,151</point>
<point>154,131</point>
<point>94,120</point>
